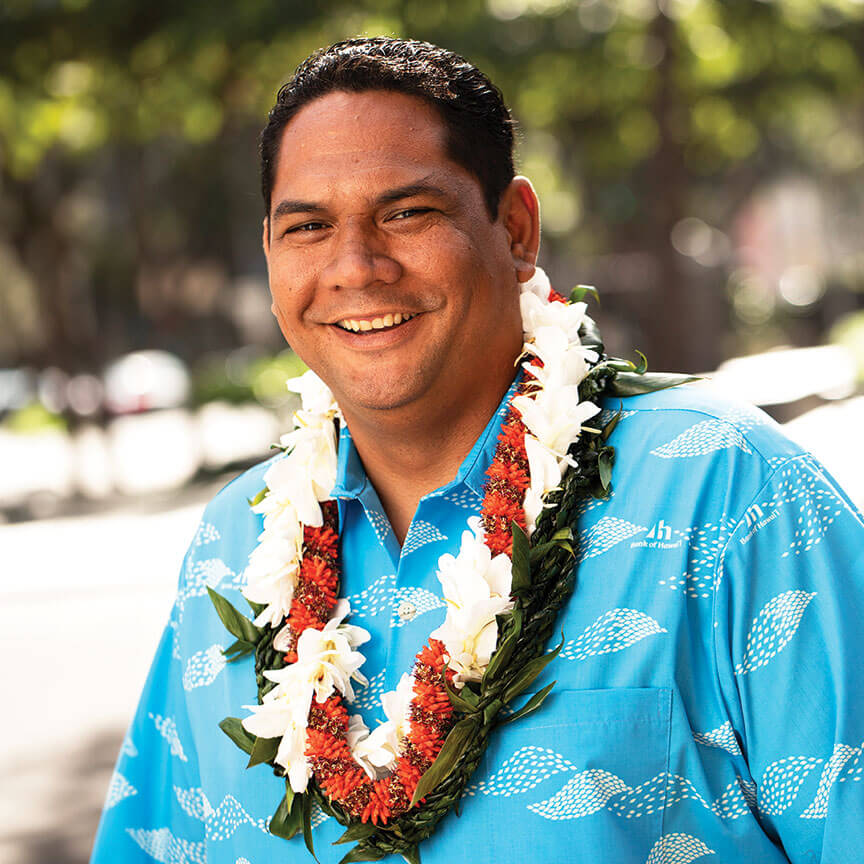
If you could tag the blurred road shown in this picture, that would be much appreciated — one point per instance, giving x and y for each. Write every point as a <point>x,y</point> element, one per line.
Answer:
<point>82,604</point>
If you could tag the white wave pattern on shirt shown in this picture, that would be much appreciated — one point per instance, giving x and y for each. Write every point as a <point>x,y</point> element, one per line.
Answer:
<point>781,781</point>
<point>606,533</point>
<point>704,543</point>
<point>200,575</point>
<point>524,770</point>
<point>607,414</point>
<point>242,861</point>
<point>167,728</point>
<point>612,631</point>
<point>380,524</point>
<point>584,794</point>
<point>802,486</point>
<point>586,505</point>
<point>409,603</point>
<point>722,737</point>
<point>317,815</point>
<point>677,849</point>
<point>738,799</point>
<point>773,628</point>
<point>420,534</point>
<point>374,599</point>
<point>207,533</point>
<point>128,748</point>
<point>368,696</point>
<point>705,437</point>
<point>203,667</point>
<point>464,498</point>
<point>818,808</point>
<point>219,823</point>
<point>161,845</point>
<point>118,789</point>
<point>658,793</point>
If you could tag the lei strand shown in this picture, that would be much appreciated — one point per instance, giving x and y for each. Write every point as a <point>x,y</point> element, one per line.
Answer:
<point>514,571</point>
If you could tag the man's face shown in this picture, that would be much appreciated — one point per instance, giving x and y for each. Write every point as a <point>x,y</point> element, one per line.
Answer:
<point>371,224</point>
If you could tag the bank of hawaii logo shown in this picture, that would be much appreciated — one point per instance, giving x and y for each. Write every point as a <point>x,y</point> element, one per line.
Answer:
<point>659,537</point>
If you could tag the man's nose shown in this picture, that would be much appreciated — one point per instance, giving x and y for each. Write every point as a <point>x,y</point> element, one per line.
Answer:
<point>359,259</point>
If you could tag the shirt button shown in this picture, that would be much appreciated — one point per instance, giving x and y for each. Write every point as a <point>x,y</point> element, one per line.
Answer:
<point>406,610</point>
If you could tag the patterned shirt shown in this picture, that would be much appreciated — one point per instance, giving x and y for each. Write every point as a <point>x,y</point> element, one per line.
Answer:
<point>708,704</point>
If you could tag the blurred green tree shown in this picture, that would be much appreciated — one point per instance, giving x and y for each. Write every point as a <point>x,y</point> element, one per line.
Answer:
<point>128,169</point>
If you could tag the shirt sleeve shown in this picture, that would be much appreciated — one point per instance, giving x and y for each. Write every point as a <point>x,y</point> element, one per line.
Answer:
<point>151,811</point>
<point>789,637</point>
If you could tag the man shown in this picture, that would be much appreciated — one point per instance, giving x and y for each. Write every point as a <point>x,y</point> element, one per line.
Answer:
<point>707,702</point>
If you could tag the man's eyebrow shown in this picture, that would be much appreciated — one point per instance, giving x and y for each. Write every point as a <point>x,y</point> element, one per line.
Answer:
<point>421,187</point>
<point>291,206</point>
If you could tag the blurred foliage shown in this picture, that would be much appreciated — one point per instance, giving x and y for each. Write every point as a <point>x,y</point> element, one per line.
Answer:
<point>849,333</point>
<point>34,417</point>
<point>127,142</point>
<point>246,377</point>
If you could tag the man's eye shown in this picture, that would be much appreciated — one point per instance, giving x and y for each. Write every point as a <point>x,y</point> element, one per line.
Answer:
<point>305,227</point>
<point>411,211</point>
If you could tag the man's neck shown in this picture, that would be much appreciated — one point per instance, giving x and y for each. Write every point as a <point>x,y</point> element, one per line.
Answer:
<point>414,450</point>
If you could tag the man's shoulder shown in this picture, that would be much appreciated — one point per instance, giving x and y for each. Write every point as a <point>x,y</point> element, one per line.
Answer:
<point>696,420</point>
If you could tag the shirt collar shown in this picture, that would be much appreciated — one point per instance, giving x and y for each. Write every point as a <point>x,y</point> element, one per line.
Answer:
<point>351,480</point>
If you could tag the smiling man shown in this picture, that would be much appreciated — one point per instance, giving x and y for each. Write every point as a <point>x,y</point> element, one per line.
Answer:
<point>707,702</point>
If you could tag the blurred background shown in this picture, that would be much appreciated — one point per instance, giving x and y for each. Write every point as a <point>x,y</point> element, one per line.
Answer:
<point>700,162</point>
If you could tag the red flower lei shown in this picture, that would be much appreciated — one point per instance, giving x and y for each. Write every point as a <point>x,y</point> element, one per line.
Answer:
<point>431,714</point>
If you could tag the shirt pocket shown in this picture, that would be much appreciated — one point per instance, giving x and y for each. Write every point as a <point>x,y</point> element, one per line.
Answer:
<point>582,779</point>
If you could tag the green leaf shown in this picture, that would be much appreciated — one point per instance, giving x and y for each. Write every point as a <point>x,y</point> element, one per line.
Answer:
<point>287,820</point>
<point>642,368</point>
<point>412,855</point>
<point>358,853</point>
<point>260,496</point>
<point>447,758</point>
<point>307,825</point>
<point>501,657</point>
<point>631,384</point>
<point>233,728</point>
<point>238,650</point>
<point>563,534</point>
<point>521,560</point>
<point>589,335</point>
<point>526,675</point>
<point>263,750</point>
<point>236,624</point>
<point>460,700</point>
<point>531,705</point>
<point>609,428</point>
<point>356,831</point>
<point>257,608</point>
<point>579,292</point>
<point>491,711</point>
<point>604,464</point>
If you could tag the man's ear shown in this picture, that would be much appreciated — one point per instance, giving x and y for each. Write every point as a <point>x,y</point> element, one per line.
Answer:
<point>520,213</point>
<point>265,236</point>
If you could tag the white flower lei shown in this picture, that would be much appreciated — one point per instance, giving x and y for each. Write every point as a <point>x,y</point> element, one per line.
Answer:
<point>475,584</point>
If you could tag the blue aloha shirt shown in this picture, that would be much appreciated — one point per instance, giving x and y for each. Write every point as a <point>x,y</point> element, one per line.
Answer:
<point>708,704</point>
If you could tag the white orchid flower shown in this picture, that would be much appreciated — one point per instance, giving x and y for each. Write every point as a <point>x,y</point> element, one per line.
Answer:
<point>538,285</point>
<point>305,475</point>
<point>476,588</point>
<point>271,574</point>
<point>326,658</point>
<point>378,751</point>
<point>545,470</point>
<point>537,314</point>
<point>315,395</point>
<point>284,714</point>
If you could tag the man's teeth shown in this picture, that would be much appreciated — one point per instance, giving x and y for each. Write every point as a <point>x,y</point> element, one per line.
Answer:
<point>375,323</point>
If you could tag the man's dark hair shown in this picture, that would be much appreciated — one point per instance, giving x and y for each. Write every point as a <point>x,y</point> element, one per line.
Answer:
<point>479,125</point>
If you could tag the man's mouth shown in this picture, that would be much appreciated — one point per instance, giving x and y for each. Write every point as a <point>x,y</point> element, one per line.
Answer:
<point>383,322</point>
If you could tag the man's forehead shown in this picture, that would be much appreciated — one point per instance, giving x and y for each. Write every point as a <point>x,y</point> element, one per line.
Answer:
<point>372,133</point>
